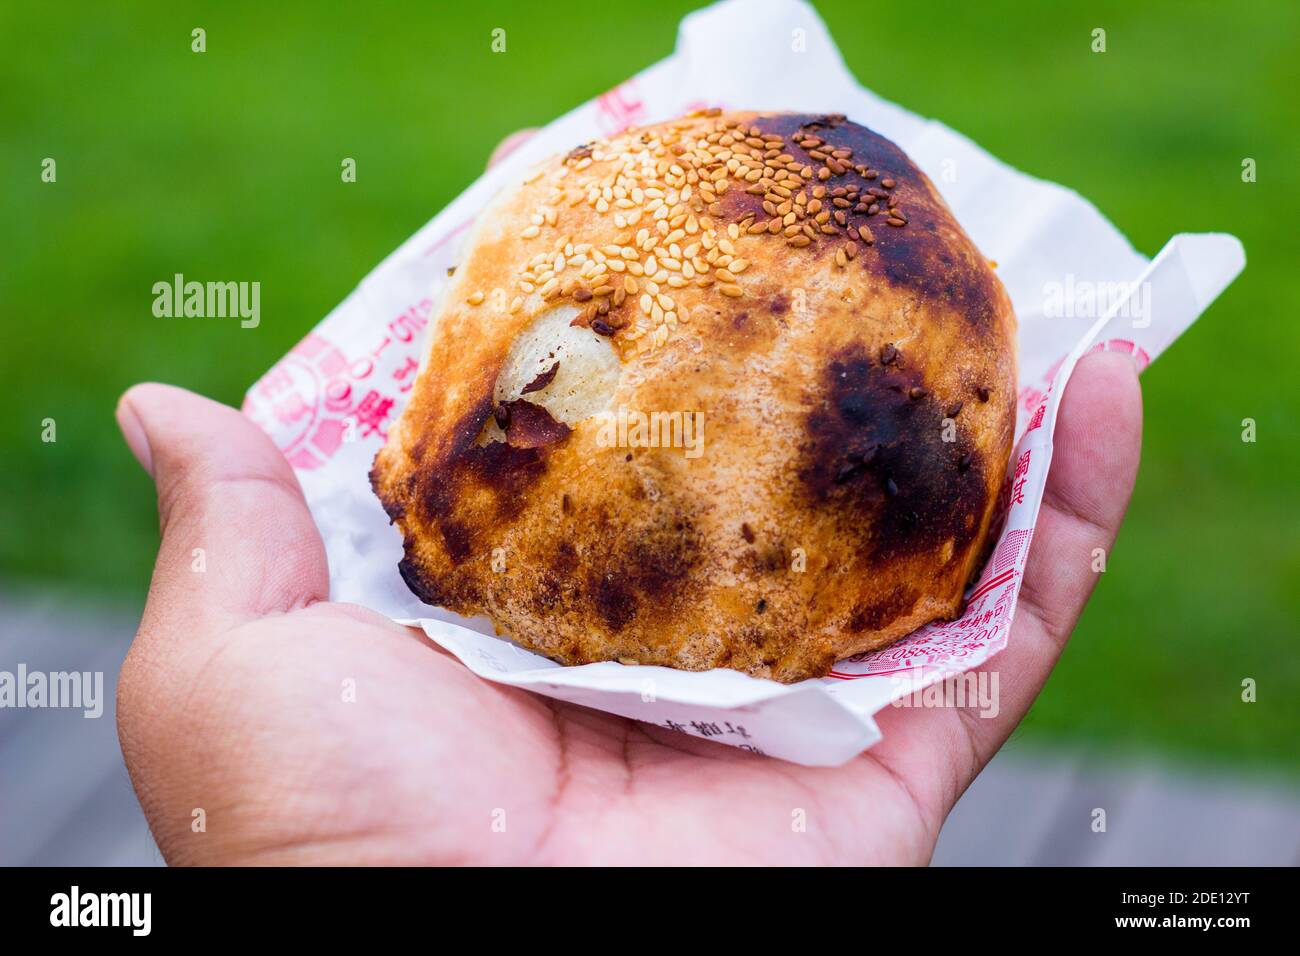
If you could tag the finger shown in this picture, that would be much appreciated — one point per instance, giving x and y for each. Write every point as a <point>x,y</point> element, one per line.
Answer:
<point>237,539</point>
<point>936,752</point>
<point>1097,444</point>
<point>510,144</point>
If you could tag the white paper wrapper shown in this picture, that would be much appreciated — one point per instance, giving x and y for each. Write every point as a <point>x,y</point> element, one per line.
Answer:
<point>1074,280</point>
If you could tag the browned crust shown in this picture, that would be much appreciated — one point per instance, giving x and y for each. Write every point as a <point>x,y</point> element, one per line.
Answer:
<point>825,389</point>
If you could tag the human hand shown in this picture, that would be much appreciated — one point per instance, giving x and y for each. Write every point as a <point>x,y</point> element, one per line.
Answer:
<point>231,700</point>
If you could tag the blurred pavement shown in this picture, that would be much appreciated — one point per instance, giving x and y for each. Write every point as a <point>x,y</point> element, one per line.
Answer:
<point>65,798</point>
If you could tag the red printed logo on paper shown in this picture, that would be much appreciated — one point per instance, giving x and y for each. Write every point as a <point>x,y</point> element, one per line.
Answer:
<point>289,402</point>
<point>317,398</point>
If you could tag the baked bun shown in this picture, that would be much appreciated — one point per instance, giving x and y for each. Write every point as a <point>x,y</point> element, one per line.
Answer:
<point>792,284</point>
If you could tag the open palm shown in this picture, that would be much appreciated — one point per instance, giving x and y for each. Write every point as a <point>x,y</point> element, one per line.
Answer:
<point>263,724</point>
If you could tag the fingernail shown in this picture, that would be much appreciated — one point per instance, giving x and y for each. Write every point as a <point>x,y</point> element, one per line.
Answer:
<point>1116,355</point>
<point>134,433</point>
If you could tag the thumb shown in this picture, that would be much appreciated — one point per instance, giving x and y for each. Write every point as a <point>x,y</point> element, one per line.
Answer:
<point>237,539</point>
<point>1098,442</point>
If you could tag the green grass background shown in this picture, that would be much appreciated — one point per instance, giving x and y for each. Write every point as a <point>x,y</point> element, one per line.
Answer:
<point>226,165</point>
